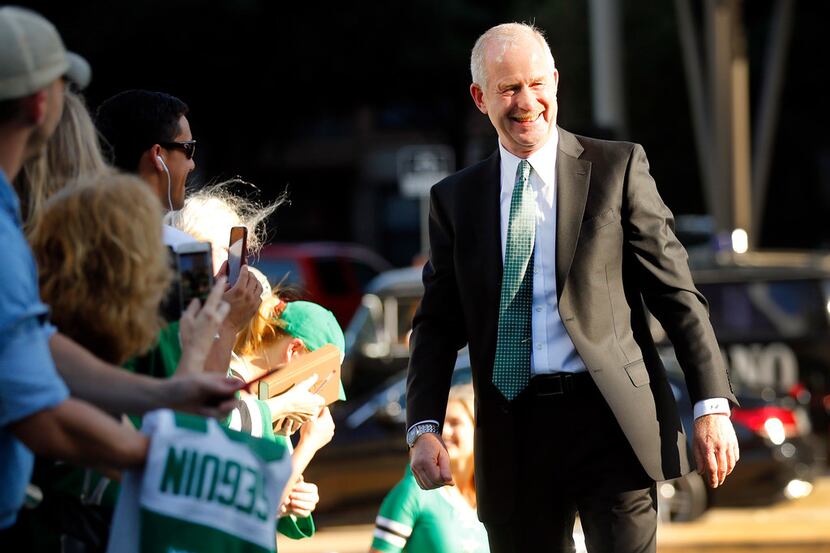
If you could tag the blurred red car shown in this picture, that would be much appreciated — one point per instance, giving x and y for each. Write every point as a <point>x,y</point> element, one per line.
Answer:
<point>333,274</point>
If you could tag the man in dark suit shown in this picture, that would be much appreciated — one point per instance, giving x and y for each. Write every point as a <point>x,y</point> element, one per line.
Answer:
<point>543,258</point>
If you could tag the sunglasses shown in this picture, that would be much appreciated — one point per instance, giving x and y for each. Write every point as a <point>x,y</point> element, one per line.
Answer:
<point>188,147</point>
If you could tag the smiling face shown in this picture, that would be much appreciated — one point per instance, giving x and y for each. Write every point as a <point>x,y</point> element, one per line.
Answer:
<point>519,93</point>
<point>458,433</point>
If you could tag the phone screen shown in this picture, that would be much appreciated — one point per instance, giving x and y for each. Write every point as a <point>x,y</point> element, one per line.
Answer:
<point>195,276</point>
<point>237,253</point>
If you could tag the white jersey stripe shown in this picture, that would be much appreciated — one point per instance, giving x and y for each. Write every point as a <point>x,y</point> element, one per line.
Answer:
<point>394,526</point>
<point>390,538</point>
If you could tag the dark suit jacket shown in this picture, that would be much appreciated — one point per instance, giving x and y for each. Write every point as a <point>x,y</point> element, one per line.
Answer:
<point>615,249</point>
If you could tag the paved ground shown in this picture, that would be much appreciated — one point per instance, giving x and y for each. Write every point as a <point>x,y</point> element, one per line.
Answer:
<point>802,525</point>
<point>790,527</point>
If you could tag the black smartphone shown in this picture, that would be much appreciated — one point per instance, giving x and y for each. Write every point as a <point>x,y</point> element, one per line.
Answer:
<point>237,253</point>
<point>195,272</point>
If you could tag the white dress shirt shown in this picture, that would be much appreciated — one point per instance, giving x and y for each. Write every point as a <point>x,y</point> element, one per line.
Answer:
<point>552,348</point>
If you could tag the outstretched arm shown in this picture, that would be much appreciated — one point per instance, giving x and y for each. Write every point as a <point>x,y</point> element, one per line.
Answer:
<point>76,432</point>
<point>665,282</point>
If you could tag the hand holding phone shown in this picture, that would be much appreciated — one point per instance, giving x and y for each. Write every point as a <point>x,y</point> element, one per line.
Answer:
<point>195,272</point>
<point>237,253</point>
<point>192,264</point>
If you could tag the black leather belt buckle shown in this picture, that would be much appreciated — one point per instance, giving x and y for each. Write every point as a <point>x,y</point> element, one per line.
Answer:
<point>553,384</point>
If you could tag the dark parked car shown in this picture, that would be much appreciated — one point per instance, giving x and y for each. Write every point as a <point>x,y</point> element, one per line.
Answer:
<point>771,315</point>
<point>332,274</point>
<point>377,338</point>
<point>776,446</point>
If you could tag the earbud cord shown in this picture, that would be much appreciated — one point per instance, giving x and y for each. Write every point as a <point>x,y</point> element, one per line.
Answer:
<point>169,184</point>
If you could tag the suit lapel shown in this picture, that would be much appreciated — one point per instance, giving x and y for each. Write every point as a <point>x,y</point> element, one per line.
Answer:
<point>490,228</point>
<point>572,179</point>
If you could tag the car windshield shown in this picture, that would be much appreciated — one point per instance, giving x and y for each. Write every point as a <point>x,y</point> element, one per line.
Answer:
<point>766,310</point>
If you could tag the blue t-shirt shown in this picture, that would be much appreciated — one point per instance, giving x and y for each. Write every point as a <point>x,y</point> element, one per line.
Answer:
<point>28,380</point>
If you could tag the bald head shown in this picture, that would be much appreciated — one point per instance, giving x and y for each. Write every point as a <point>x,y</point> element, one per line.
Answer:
<point>495,42</point>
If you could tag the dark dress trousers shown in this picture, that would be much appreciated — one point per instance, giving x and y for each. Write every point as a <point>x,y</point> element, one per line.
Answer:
<point>615,251</point>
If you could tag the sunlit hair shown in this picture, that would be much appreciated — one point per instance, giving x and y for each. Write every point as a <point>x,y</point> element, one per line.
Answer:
<point>502,37</point>
<point>265,329</point>
<point>71,152</point>
<point>209,213</point>
<point>103,266</point>
<point>464,395</point>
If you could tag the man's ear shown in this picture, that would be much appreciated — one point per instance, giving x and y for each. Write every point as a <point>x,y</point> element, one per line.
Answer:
<point>555,81</point>
<point>478,98</point>
<point>155,154</point>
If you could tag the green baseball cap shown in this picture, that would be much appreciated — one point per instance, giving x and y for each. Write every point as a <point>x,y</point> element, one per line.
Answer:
<point>32,55</point>
<point>313,324</point>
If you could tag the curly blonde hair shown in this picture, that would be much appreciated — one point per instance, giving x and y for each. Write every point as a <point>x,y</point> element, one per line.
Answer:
<point>103,267</point>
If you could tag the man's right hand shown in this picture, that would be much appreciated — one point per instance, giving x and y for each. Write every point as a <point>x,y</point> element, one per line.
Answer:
<point>430,462</point>
<point>208,395</point>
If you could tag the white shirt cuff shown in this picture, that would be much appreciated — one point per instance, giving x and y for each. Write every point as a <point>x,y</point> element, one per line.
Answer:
<point>423,422</point>
<point>713,406</point>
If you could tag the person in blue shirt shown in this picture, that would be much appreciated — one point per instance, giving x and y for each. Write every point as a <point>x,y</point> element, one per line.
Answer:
<point>36,413</point>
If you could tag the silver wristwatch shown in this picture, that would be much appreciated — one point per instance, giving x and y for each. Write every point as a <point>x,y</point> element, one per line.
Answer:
<point>418,429</point>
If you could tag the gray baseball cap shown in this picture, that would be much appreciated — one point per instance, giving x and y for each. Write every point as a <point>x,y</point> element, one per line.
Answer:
<point>32,55</point>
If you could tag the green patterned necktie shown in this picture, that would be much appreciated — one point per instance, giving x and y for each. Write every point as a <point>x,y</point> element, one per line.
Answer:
<point>511,370</point>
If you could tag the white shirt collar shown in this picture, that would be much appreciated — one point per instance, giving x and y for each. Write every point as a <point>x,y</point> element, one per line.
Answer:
<point>543,162</point>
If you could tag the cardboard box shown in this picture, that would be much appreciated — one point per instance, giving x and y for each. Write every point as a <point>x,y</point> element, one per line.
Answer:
<point>324,362</point>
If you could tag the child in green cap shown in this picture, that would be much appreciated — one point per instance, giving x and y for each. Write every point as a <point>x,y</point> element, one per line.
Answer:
<point>279,333</point>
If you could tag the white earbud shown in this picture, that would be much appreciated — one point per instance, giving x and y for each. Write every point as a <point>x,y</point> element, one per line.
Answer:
<point>169,184</point>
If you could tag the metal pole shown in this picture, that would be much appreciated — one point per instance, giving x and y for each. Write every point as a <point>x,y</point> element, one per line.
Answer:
<point>693,66</point>
<point>741,157</point>
<point>718,30</point>
<point>606,65</point>
<point>767,118</point>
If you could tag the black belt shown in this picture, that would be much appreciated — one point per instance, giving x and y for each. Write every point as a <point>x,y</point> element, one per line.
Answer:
<point>560,383</point>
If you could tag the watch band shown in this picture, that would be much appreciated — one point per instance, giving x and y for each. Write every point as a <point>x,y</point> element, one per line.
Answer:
<point>418,429</point>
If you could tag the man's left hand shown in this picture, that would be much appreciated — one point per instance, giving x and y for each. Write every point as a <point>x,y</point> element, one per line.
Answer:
<point>715,448</point>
